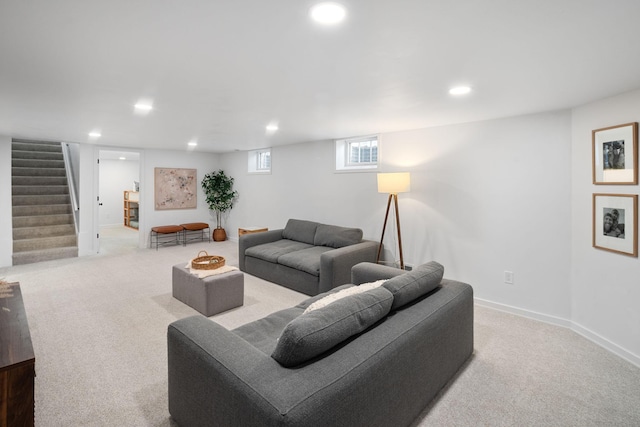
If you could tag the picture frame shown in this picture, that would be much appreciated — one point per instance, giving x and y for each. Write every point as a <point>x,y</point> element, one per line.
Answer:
<point>615,155</point>
<point>615,223</point>
<point>175,188</point>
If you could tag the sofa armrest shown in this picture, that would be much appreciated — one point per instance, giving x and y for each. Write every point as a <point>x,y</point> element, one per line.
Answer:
<point>335,265</point>
<point>214,370</point>
<point>247,241</point>
<point>366,272</point>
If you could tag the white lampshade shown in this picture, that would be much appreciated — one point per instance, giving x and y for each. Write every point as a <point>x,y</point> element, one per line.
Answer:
<point>394,183</point>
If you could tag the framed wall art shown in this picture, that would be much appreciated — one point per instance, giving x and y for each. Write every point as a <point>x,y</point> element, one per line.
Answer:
<point>615,223</point>
<point>615,154</point>
<point>175,188</point>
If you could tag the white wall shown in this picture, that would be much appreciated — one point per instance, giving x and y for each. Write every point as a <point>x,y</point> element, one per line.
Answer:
<point>149,217</point>
<point>302,185</point>
<point>605,285</point>
<point>116,176</point>
<point>6,231</point>
<point>87,199</point>
<point>485,197</point>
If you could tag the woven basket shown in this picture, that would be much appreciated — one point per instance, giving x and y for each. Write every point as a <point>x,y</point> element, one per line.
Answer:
<point>206,261</point>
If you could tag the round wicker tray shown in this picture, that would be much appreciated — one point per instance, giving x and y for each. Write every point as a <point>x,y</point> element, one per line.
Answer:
<point>206,261</point>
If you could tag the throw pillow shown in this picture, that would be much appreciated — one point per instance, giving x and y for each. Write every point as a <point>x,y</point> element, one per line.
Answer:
<point>413,284</point>
<point>325,301</point>
<point>311,334</point>
<point>300,230</point>
<point>336,237</point>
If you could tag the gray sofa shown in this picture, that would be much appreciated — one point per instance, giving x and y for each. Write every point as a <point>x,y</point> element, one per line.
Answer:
<point>306,256</point>
<point>376,358</point>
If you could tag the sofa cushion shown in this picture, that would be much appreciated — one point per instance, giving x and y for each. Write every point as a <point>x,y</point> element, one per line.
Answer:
<point>336,237</point>
<point>415,283</point>
<point>307,260</point>
<point>263,333</point>
<point>314,333</point>
<point>274,250</point>
<point>300,230</point>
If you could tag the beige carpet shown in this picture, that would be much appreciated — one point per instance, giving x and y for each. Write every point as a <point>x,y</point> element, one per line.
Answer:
<point>99,323</point>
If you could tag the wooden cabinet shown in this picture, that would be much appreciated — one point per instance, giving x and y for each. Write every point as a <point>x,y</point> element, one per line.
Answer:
<point>131,208</point>
<point>17,360</point>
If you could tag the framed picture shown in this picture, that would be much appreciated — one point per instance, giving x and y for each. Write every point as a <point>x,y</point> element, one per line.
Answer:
<point>615,154</point>
<point>175,188</point>
<point>615,223</point>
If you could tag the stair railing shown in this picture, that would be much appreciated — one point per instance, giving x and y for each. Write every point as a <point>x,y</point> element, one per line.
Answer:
<point>69,157</point>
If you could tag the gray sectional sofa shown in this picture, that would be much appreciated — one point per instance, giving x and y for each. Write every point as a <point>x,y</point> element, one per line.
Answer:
<point>306,256</point>
<point>373,358</point>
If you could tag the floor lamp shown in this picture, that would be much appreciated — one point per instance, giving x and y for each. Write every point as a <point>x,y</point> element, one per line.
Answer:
<point>393,183</point>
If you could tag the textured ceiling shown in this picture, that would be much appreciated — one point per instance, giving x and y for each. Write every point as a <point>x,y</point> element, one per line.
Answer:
<point>219,71</point>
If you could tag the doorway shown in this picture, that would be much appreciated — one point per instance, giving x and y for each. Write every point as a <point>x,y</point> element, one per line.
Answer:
<point>118,190</point>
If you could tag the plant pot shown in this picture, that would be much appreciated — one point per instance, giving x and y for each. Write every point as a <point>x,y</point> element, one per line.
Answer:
<point>219,235</point>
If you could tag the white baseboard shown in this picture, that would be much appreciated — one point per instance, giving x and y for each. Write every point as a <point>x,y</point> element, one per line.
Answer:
<point>524,313</point>
<point>579,329</point>
<point>605,343</point>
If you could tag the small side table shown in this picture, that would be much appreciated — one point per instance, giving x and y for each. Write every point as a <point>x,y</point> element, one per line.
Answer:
<point>249,230</point>
<point>211,295</point>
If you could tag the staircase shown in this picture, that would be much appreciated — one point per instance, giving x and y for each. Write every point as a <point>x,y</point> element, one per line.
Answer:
<point>43,227</point>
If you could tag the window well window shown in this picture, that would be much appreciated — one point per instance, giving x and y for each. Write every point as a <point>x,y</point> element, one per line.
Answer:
<point>357,153</point>
<point>259,161</point>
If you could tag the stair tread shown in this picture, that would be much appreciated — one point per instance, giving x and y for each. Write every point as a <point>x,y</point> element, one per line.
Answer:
<point>46,227</point>
<point>48,250</point>
<point>41,255</point>
<point>47,238</point>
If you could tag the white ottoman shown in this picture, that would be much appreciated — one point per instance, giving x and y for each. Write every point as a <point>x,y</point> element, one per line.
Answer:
<point>211,295</point>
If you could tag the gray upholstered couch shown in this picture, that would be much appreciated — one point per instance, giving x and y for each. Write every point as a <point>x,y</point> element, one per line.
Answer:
<point>306,256</point>
<point>376,358</point>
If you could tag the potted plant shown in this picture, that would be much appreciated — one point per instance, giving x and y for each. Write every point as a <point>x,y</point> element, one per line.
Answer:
<point>218,188</point>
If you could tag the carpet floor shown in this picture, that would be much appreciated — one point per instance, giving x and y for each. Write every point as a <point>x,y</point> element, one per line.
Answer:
<point>98,325</point>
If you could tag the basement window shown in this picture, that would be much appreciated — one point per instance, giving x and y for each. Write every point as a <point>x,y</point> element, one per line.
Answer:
<point>259,161</point>
<point>357,154</point>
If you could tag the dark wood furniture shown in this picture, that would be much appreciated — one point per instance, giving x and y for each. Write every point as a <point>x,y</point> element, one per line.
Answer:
<point>17,360</point>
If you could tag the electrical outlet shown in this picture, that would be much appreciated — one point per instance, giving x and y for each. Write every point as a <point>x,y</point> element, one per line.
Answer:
<point>508,277</point>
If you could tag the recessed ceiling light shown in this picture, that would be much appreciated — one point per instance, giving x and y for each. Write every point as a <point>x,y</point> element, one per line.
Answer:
<point>143,106</point>
<point>192,144</point>
<point>95,134</point>
<point>122,158</point>
<point>460,90</point>
<point>272,127</point>
<point>328,13</point>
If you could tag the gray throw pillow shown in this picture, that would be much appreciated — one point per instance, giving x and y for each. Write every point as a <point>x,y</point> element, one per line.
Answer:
<point>336,237</point>
<point>415,283</point>
<point>313,333</point>
<point>300,230</point>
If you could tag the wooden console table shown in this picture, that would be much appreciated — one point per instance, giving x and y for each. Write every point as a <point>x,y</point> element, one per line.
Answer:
<point>17,360</point>
<point>250,230</point>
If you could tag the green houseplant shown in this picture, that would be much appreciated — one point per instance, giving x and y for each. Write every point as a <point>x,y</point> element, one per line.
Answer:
<point>218,187</point>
